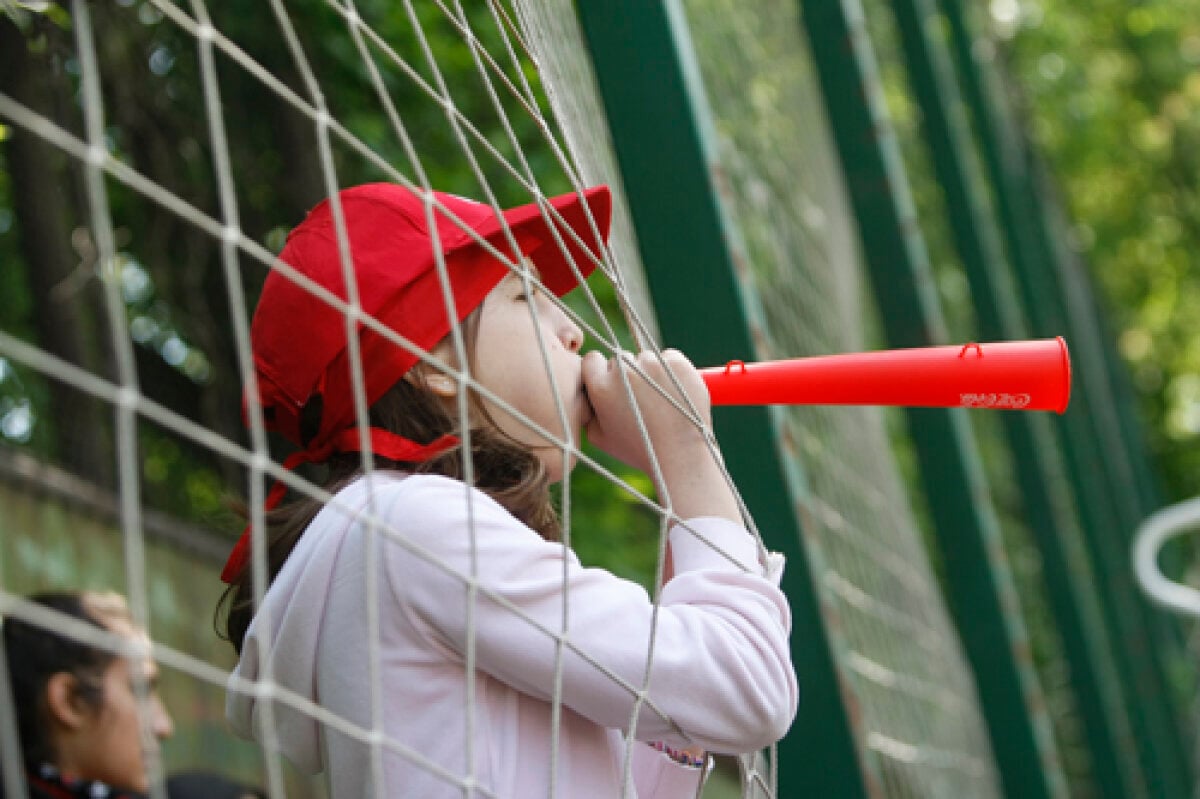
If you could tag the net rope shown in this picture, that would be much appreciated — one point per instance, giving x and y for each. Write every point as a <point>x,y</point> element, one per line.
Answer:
<point>223,225</point>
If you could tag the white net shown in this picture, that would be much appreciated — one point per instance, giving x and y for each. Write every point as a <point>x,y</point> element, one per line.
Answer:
<point>190,139</point>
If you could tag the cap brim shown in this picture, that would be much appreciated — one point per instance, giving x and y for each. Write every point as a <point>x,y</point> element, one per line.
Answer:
<point>579,244</point>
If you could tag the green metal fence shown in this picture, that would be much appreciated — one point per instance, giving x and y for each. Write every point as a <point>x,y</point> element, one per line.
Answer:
<point>978,242</point>
<point>760,157</point>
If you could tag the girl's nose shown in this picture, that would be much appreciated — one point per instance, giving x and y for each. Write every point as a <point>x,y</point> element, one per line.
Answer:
<point>572,336</point>
<point>163,726</point>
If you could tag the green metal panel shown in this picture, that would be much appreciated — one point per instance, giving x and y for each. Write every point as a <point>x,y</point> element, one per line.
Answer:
<point>1127,468</point>
<point>1115,414</point>
<point>977,576</point>
<point>1108,505</point>
<point>1049,512</point>
<point>660,129</point>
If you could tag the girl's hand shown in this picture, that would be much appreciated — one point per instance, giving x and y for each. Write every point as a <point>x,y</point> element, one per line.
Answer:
<point>614,428</point>
<point>692,480</point>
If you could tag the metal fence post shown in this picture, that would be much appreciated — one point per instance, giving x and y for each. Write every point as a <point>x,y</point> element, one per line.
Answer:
<point>1109,501</point>
<point>1039,473</point>
<point>978,579</point>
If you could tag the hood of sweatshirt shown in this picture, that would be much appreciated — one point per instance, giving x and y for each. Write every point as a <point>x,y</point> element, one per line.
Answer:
<point>274,686</point>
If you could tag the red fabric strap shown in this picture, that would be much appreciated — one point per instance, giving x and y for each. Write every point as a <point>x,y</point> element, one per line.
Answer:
<point>388,445</point>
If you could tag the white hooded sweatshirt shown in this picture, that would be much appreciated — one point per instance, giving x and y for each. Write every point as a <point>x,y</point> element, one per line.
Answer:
<point>396,712</point>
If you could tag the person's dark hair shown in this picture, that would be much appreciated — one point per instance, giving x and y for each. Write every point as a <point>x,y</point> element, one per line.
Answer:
<point>34,654</point>
<point>503,469</point>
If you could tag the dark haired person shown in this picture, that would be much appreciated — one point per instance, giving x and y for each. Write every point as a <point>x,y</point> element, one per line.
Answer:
<point>79,716</point>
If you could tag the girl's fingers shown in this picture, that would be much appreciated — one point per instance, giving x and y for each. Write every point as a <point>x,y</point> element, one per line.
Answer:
<point>612,427</point>
<point>597,372</point>
<point>604,384</point>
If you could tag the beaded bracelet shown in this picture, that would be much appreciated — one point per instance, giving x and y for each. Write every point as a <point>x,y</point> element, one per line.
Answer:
<point>679,756</point>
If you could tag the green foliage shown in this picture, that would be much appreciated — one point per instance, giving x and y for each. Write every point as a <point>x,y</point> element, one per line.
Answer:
<point>22,391</point>
<point>610,527</point>
<point>1113,93</point>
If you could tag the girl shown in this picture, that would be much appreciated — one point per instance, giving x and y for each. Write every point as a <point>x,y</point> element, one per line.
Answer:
<point>77,711</point>
<point>456,649</point>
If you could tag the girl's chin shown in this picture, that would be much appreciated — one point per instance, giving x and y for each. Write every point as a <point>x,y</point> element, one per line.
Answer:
<point>557,466</point>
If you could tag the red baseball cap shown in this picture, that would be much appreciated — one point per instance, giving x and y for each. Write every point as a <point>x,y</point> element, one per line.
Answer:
<point>299,341</point>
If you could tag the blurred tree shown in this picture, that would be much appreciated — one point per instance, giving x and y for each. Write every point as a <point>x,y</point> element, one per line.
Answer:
<point>61,312</point>
<point>1112,94</point>
<point>177,301</point>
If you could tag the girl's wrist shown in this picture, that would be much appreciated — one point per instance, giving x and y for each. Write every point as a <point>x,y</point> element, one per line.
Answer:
<point>681,756</point>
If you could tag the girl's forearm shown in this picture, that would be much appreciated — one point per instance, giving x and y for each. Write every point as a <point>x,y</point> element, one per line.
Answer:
<point>695,485</point>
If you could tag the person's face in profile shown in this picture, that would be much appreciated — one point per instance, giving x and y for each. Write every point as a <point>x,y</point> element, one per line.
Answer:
<point>109,741</point>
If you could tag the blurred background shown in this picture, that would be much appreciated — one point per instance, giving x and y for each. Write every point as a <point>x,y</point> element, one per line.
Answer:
<point>792,178</point>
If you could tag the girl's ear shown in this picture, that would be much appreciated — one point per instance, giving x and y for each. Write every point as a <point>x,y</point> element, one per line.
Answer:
<point>436,383</point>
<point>63,702</point>
<point>442,385</point>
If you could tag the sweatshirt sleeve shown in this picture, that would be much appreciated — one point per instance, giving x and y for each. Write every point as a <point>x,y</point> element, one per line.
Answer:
<point>719,676</point>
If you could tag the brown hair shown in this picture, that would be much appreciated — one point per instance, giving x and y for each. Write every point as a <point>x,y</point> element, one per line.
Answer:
<point>503,469</point>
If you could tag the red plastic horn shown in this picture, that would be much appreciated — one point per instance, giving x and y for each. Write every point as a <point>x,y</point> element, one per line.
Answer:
<point>1014,375</point>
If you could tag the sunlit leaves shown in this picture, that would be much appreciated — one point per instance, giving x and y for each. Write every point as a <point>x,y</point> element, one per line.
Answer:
<point>1120,124</point>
